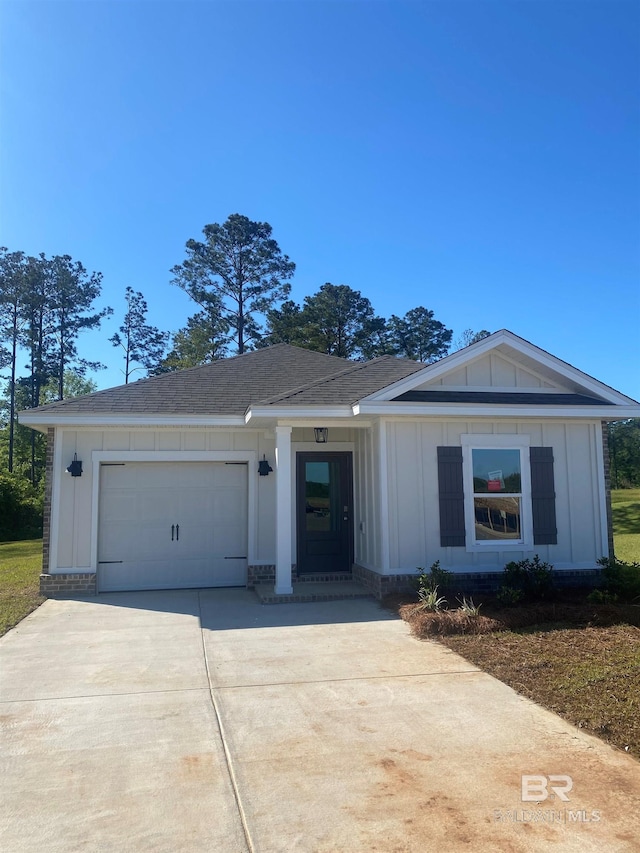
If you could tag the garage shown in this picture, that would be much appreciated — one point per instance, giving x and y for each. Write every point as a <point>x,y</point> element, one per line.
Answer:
<point>172,525</point>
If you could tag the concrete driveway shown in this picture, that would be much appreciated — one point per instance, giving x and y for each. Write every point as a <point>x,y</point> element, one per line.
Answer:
<point>203,721</point>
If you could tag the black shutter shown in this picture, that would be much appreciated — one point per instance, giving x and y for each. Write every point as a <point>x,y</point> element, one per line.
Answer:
<point>543,496</point>
<point>451,495</point>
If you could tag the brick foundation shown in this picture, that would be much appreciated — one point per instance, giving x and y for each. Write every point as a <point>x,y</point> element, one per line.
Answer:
<point>260,574</point>
<point>467,583</point>
<point>65,585</point>
<point>381,585</point>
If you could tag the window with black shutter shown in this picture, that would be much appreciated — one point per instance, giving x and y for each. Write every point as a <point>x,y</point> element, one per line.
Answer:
<point>496,493</point>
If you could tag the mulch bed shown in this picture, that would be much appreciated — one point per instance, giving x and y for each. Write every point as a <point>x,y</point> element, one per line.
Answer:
<point>571,609</point>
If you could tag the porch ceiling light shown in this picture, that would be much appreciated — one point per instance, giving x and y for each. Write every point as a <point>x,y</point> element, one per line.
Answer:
<point>321,434</point>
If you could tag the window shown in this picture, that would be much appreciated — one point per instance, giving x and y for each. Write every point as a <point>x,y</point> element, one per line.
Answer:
<point>497,493</point>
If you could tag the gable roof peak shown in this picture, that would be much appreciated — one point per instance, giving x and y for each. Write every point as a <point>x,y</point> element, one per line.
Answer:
<point>518,350</point>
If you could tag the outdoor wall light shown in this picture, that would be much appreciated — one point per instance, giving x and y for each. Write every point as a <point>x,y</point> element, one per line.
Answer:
<point>263,467</point>
<point>75,469</point>
<point>322,435</point>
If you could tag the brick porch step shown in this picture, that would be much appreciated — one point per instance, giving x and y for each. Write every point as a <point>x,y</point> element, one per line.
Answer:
<point>303,592</point>
<point>324,577</point>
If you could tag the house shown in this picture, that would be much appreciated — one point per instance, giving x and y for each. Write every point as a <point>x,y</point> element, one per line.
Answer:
<point>281,463</point>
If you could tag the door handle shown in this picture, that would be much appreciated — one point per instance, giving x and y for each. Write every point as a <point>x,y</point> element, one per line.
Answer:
<point>172,529</point>
<point>177,532</point>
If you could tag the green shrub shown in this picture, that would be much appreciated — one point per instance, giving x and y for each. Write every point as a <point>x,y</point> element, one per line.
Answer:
<point>508,596</point>
<point>602,596</point>
<point>533,578</point>
<point>435,577</point>
<point>20,508</point>
<point>620,578</point>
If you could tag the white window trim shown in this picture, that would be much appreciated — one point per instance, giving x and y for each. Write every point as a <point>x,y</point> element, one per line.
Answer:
<point>482,441</point>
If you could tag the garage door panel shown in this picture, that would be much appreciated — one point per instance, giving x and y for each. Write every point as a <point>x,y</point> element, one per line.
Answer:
<point>156,508</point>
<point>233,543</point>
<point>161,574</point>
<point>153,476</point>
<point>124,542</point>
<point>230,476</point>
<point>230,503</point>
<point>119,505</point>
<point>196,504</point>
<point>139,502</point>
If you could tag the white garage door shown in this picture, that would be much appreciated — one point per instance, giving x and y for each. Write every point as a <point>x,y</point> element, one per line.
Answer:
<point>172,525</point>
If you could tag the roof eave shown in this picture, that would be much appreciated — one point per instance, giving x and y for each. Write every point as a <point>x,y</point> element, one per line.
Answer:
<point>607,413</point>
<point>40,421</point>
<point>318,411</point>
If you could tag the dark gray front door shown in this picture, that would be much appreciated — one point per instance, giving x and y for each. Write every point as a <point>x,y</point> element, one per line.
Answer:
<point>325,515</point>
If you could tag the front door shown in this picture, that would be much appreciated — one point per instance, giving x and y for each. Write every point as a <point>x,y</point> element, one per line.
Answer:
<point>325,512</point>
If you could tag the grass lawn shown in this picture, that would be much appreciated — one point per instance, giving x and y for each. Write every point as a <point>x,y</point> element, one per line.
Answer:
<point>20,566</point>
<point>625,504</point>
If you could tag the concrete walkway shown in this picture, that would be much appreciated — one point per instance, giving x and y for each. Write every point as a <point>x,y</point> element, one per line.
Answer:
<point>186,721</point>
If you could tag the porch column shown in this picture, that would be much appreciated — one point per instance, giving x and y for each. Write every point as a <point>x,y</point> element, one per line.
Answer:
<point>283,511</point>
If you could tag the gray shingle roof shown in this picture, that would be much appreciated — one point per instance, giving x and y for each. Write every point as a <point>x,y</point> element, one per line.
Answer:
<point>281,374</point>
<point>350,385</point>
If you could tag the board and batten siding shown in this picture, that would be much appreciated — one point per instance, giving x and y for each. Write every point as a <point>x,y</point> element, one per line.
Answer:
<point>414,526</point>
<point>493,371</point>
<point>72,496</point>
<point>367,498</point>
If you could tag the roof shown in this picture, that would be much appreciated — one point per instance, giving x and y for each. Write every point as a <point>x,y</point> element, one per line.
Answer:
<point>283,381</point>
<point>281,373</point>
<point>349,385</point>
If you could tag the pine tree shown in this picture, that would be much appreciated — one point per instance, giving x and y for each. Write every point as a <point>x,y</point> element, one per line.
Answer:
<point>242,266</point>
<point>142,344</point>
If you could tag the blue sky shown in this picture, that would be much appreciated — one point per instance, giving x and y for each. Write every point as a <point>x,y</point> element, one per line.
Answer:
<point>479,158</point>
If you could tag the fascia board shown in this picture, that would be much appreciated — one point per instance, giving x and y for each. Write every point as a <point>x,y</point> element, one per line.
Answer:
<point>469,354</point>
<point>319,420</point>
<point>43,420</point>
<point>609,413</point>
<point>297,412</point>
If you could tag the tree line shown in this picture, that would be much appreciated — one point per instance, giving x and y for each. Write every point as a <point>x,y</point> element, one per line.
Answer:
<point>239,281</point>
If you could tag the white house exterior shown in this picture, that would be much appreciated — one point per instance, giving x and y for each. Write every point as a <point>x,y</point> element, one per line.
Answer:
<point>492,454</point>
